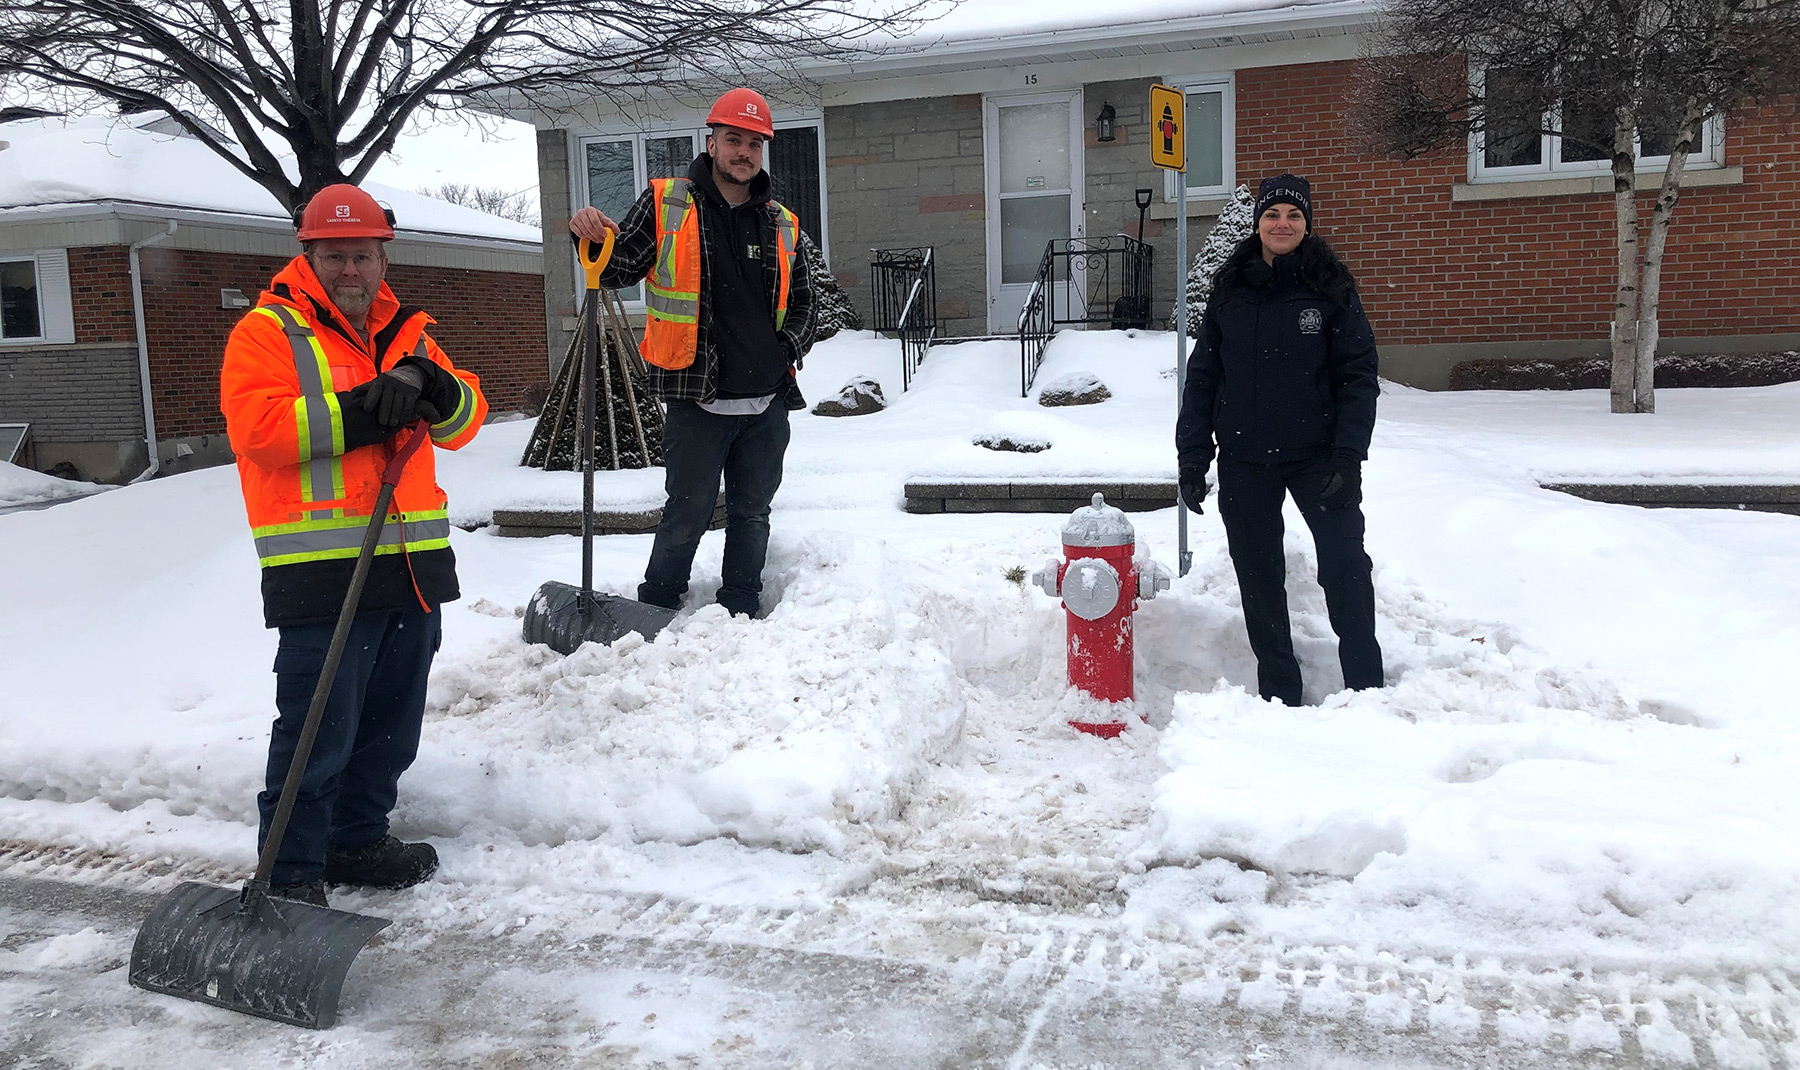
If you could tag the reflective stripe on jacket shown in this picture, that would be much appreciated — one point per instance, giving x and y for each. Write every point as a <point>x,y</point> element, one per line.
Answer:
<point>672,287</point>
<point>308,496</point>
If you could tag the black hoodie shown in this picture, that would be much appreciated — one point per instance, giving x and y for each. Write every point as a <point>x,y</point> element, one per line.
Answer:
<point>751,361</point>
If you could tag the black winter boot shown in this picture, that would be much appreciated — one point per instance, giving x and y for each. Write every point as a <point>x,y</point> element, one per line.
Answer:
<point>386,863</point>
<point>308,892</point>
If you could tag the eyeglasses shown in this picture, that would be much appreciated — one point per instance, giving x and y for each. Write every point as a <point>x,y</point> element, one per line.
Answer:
<point>338,261</point>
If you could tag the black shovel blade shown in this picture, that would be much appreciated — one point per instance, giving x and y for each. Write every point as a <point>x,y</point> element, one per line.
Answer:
<point>274,958</point>
<point>554,618</point>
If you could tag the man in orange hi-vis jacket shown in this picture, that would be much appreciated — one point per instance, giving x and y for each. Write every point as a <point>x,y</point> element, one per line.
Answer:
<point>322,381</point>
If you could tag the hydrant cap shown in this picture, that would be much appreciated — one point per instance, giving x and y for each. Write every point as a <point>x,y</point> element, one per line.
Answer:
<point>1098,524</point>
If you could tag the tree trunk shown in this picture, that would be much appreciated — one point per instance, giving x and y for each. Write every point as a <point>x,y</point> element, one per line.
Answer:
<point>1625,300</point>
<point>1647,328</point>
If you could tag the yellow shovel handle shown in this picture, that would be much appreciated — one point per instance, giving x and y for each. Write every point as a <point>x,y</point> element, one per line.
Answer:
<point>594,256</point>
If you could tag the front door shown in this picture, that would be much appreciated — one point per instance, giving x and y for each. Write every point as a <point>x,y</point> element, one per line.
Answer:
<point>1033,157</point>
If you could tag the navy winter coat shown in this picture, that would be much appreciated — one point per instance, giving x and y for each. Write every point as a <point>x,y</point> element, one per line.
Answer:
<point>1280,373</point>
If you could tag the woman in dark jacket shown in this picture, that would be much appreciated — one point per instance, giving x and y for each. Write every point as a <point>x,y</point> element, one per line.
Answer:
<point>1282,386</point>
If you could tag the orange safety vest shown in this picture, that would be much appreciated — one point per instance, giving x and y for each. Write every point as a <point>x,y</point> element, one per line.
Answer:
<point>307,499</point>
<point>672,289</point>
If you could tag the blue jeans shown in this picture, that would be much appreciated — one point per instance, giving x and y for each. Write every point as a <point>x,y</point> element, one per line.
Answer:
<point>699,447</point>
<point>368,736</point>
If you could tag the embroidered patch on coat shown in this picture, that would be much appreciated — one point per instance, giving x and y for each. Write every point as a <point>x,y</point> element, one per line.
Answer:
<point>1312,321</point>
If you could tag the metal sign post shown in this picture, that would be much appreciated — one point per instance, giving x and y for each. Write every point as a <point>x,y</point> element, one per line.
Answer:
<point>1168,150</point>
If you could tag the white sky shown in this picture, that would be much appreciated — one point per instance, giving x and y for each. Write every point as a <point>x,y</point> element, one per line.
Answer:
<point>485,151</point>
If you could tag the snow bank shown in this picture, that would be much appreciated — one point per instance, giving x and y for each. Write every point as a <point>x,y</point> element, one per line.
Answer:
<point>775,732</point>
<point>22,486</point>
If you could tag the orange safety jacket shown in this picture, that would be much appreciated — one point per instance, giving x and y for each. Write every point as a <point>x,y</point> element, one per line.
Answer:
<point>672,289</point>
<point>307,494</point>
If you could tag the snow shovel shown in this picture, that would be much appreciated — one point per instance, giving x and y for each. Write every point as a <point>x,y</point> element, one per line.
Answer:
<point>245,950</point>
<point>560,616</point>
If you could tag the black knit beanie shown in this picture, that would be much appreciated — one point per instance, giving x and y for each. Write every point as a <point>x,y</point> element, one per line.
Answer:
<point>1286,189</point>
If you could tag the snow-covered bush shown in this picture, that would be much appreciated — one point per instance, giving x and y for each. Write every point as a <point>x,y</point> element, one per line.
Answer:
<point>832,309</point>
<point>1235,223</point>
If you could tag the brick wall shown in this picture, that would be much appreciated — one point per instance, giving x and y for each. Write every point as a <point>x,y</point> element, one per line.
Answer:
<point>1530,269</point>
<point>489,322</point>
<point>88,392</point>
<point>1433,271</point>
<point>905,173</point>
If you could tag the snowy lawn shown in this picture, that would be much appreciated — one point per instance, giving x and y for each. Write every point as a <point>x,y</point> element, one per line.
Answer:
<point>1583,761</point>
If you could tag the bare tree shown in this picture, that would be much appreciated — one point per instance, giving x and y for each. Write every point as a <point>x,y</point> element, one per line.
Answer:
<point>520,207</point>
<point>328,84</point>
<point>1616,80</point>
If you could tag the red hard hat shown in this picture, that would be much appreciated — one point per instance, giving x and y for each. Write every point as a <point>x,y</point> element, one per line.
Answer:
<point>344,211</point>
<point>743,108</point>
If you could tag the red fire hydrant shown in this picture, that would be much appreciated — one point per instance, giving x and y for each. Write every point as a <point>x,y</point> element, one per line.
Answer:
<point>1100,584</point>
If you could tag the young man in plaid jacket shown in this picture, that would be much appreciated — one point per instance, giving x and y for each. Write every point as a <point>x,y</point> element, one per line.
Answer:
<point>730,318</point>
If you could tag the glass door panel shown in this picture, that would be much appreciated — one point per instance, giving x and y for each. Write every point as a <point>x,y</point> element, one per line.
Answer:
<point>793,164</point>
<point>613,187</point>
<point>668,157</point>
<point>1033,197</point>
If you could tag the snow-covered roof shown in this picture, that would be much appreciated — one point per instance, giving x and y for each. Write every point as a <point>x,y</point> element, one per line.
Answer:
<point>67,163</point>
<point>977,32</point>
<point>973,21</point>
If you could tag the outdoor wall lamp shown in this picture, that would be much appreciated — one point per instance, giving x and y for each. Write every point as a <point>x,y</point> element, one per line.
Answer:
<point>1103,123</point>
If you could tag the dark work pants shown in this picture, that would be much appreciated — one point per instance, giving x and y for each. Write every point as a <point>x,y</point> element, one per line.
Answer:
<point>369,734</point>
<point>698,447</point>
<point>1250,498</point>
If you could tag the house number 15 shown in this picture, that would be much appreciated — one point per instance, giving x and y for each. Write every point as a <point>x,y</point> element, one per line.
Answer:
<point>1031,79</point>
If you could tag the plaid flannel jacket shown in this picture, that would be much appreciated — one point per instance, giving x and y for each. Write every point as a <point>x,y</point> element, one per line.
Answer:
<point>634,252</point>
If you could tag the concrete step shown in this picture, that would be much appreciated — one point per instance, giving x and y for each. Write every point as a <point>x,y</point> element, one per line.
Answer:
<point>1036,495</point>
<point>535,523</point>
<point>1763,497</point>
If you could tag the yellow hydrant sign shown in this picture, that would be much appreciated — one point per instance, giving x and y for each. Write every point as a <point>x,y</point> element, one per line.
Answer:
<point>1168,119</point>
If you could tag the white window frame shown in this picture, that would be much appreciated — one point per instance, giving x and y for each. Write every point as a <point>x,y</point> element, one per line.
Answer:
<point>37,287</point>
<point>1226,85</point>
<point>56,308</point>
<point>640,178</point>
<point>817,125</point>
<point>578,177</point>
<point>1709,154</point>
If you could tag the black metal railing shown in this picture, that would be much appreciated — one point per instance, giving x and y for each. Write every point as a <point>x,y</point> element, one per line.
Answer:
<point>1090,282</point>
<point>1099,282</point>
<point>917,325</point>
<point>904,303</point>
<point>891,277</point>
<point>1035,325</point>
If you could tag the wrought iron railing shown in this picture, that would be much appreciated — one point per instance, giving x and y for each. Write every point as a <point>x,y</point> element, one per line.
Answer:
<point>1090,282</point>
<point>918,322</point>
<point>891,278</point>
<point>1099,282</point>
<point>1035,326</point>
<point>904,303</point>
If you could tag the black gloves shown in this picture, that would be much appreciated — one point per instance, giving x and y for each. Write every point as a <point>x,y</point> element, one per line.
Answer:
<point>1192,480</point>
<point>1343,482</point>
<point>393,396</point>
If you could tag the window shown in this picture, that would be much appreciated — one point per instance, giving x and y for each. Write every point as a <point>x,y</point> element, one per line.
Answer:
<point>1516,144</point>
<point>34,298</point>
<point>618,168</point>
<point>20,315</point>
<point>1211,136</point>
<point>793,166</point>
